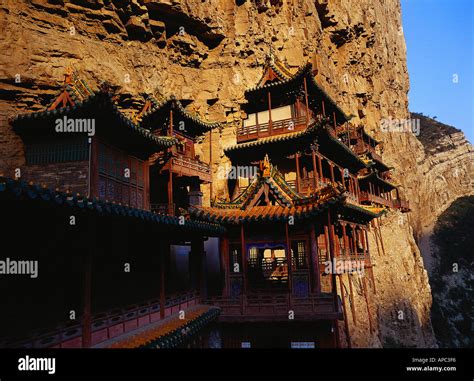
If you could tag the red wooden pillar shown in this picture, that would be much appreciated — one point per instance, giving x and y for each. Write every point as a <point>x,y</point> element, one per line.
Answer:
<point>343,178</point>
<point>270,123</point>
<point>332,173</point>
<point>297,160</point>
<point>315,169</point>
<point>224,256</point>
<point>306,101</point>
<point>334,118</point>
<point>354,319</point>
<point>87,315</point>
<point>320,162</point>
<point>210,165</point>
<point>333,276</point>
<point>324,108</point>
<point>288,257</point>
<point>164,252</point>
<point>170,178</point>
<point>316,283</point>
<point>345,239</point>
<point>346,324</point>
<point>244,257</point>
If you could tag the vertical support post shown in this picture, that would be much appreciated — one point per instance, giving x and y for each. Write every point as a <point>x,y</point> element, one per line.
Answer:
<point>270,122</point>
<point>170,178</point>
<point>316,284</point>
<point>352,298</point>
<point>345,240</point>
<point>288,258</point>
<point>324,108</point>
<point>315,169</point>
<point>334,119</point>
<point>320,162</point>
<point>87,317</point>
<point>210,165</point>
<point>164,252</point>
<point>364,284</point>
<point>333,276</point>
<point>244,257</point>
<point>297,160</point>
<point>306,101</point>
<point>346,324</point>
<point>224,251</point>
<point>341,171</point>
<point>331,165</point>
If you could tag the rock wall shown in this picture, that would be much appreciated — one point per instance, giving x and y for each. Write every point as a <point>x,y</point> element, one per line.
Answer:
<point>209,53</point>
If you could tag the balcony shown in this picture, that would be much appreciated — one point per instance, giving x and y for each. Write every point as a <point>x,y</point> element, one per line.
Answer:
<point>275,306</point>
<point>363,148</point>
<point>403,205</point>
<point>367,197</point>
<point>273,128</point>
<point>191,167</point>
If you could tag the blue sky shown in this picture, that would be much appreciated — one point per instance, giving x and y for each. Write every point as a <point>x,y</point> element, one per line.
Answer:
<point>440,36</point>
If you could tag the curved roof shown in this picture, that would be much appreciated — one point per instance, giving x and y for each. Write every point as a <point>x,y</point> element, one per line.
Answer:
<point>95,105</point>
<point>163,106</point>
<point>28,191</point>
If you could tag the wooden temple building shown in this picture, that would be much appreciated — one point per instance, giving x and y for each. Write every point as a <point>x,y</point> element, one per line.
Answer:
<point>319,184</point>
<point>278,239</point>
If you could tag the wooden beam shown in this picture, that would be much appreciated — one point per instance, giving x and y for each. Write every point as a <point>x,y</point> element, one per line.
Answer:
<point>210,164</point>
<point>244,257</point>
<point>225,263</point>
<point>315,170</point>
<point>306,101</point>
<point>316,283</point>
<point>346,323</point>
<point>320,162</point>
<point>270,123</point>
<point>364,283</point>
<point>288,257</point>
<point>297,159</point>
<point>170,168</point>
<point>332,173</point>
<point>333,276</point>
<point>87,315</point>
<point>164,251</point>
<point>352,299</point>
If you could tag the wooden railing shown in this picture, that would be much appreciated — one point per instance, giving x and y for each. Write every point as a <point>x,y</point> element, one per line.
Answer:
<point>192,164</point>
<point>365,196</point>
<point>108,324</point>
<point>362,147</point>
<point>401,204</point>
<point>269,306</point>
<point>277,127</point>
<point>163,208</point>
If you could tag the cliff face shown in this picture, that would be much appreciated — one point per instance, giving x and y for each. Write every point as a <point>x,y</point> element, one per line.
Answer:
<point>209,53</point>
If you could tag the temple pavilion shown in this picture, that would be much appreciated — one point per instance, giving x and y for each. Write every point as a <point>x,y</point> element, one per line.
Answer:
<point>272,251</point>
<point>319,183</point>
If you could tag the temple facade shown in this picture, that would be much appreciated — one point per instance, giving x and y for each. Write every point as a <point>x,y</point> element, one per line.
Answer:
<point>309,186</point>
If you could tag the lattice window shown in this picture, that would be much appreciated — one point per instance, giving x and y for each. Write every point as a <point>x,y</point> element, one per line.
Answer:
<point>298,257</point>
<point>57,151</point>
<point>235,258</point>
<point>114,185</point>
